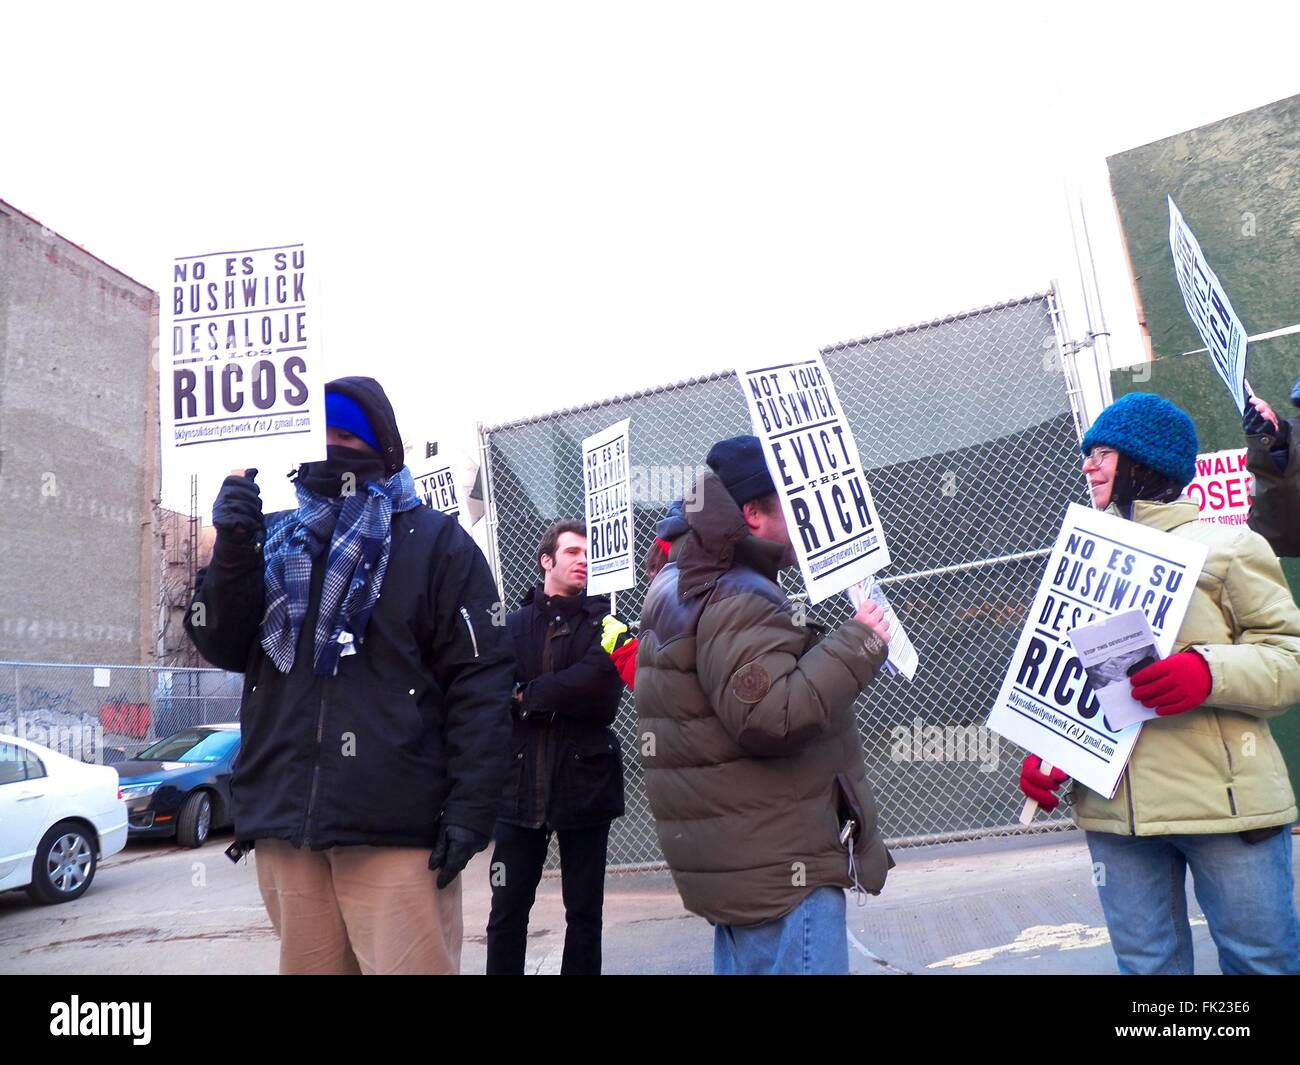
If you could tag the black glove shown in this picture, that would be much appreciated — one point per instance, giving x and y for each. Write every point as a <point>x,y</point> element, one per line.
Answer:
<point>1255,424</point>
<point>455,847</point>
<point>238,508</point>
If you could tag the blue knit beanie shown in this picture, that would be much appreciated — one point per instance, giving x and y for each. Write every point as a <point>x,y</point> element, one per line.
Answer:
<point>672,524</point>
<point>344,412</point>
<point>739,463</point>
<point>1149,430</point>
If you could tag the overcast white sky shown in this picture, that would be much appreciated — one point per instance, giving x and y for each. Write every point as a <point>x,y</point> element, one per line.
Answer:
<point>527,206</point>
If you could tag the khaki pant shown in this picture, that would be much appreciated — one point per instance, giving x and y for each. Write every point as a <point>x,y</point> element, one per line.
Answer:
<point>371,910</point>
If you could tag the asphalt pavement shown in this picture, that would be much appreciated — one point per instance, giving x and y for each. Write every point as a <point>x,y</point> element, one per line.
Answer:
<point>1023,905</point>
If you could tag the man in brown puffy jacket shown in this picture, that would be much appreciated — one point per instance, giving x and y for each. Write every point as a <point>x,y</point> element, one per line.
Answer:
<point>753,762</point>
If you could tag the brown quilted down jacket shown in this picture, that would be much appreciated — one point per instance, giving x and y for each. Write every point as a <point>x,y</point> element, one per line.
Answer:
<point>752,758</point>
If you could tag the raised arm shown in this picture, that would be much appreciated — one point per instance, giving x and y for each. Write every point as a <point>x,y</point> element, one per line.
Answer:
<point>771,694</point>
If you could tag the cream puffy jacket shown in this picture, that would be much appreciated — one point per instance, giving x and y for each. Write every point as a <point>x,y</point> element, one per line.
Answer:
<point>1216,768</point>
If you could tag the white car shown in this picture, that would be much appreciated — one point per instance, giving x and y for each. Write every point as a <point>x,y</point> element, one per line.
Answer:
<point>58,818</point>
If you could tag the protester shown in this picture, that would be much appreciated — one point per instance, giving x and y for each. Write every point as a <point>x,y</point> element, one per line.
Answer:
<point>656,557</point>
<point>753,761</point>
<point>375,710</point>
<point>1273,459</point>
<point>667,529</point>
<point>1205,786</point>
<point>566,770</point>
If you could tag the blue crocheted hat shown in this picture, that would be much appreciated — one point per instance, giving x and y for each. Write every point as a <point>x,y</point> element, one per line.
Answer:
<point>1150,430</point>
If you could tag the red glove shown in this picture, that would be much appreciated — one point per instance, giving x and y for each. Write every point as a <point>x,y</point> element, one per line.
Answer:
<point>1173,685</point>
<point>1039,787</point>
<point>625,662</point>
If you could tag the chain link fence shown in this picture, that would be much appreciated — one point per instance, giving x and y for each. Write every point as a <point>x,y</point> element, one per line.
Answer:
<point>969,431</point>
<point>108,713</point>
<point>967,428</point>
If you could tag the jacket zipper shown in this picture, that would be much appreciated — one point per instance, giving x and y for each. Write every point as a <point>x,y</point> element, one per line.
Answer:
<point>470,625</point>
<point>315,773</point>
<point>541,744</point>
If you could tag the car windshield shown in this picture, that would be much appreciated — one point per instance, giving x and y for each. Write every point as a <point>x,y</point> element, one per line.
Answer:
<point>192,745</point>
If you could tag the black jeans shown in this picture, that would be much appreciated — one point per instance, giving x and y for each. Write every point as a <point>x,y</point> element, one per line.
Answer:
<point>516,869</point>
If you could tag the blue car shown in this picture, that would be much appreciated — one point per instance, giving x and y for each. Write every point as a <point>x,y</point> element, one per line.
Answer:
<point>180,786</point>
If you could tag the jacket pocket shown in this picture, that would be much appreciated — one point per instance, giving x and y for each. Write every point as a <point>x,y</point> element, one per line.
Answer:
<point>848,808</point>
<point>516,770</point>
<point>1222,735</point>
<point>593,780</point>
<point>397,711</point>
<point>469,625</point>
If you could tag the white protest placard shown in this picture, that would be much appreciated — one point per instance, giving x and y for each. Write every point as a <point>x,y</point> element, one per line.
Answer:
<point>1100,565</point>
<point>818,474</point>
<point>438,491</point>
<point>241,377</point>
<point>1209,307</point>
<point>1223,487</point>
<point>607,491</point>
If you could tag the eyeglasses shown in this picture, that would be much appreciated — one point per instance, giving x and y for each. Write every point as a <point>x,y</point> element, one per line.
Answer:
<point>1098,455</point>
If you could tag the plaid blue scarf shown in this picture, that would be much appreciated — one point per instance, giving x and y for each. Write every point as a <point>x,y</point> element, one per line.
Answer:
<point>357,530</point>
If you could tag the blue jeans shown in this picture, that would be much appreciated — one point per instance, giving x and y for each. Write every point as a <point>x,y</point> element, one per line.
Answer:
<point>1245,890</point>
<point>810,940</point>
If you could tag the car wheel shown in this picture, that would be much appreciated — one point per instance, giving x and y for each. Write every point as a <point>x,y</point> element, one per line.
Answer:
<point>64,865</point>
<point>195,821</point>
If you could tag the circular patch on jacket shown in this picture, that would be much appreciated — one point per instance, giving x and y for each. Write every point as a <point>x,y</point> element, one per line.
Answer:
<point>750,683</point>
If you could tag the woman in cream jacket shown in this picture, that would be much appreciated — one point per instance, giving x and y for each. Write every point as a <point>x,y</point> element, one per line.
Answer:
<point>1206,787</point>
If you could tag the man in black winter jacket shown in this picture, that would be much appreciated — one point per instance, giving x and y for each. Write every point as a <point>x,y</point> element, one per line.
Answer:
<point>375,712</point>
<point>566,766</point>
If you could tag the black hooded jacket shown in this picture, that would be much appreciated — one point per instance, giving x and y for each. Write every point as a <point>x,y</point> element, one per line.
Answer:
<point>566,764</point>
<point>412,729</point>
<point>1275,509</point>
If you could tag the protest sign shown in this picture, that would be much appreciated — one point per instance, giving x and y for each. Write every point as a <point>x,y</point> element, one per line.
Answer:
<point>241,376</point>
<point>1210,309</point>
<point>607,491</point>
<point>833,523</point>
<point>438,491</point>
<point>1099,566</point>
<point>1223,487</point>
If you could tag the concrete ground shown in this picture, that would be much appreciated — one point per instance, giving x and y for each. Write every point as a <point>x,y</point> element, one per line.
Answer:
<point>1024,905</point>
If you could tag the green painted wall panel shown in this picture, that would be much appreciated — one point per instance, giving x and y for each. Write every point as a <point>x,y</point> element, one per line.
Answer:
<point>1237,183</point>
